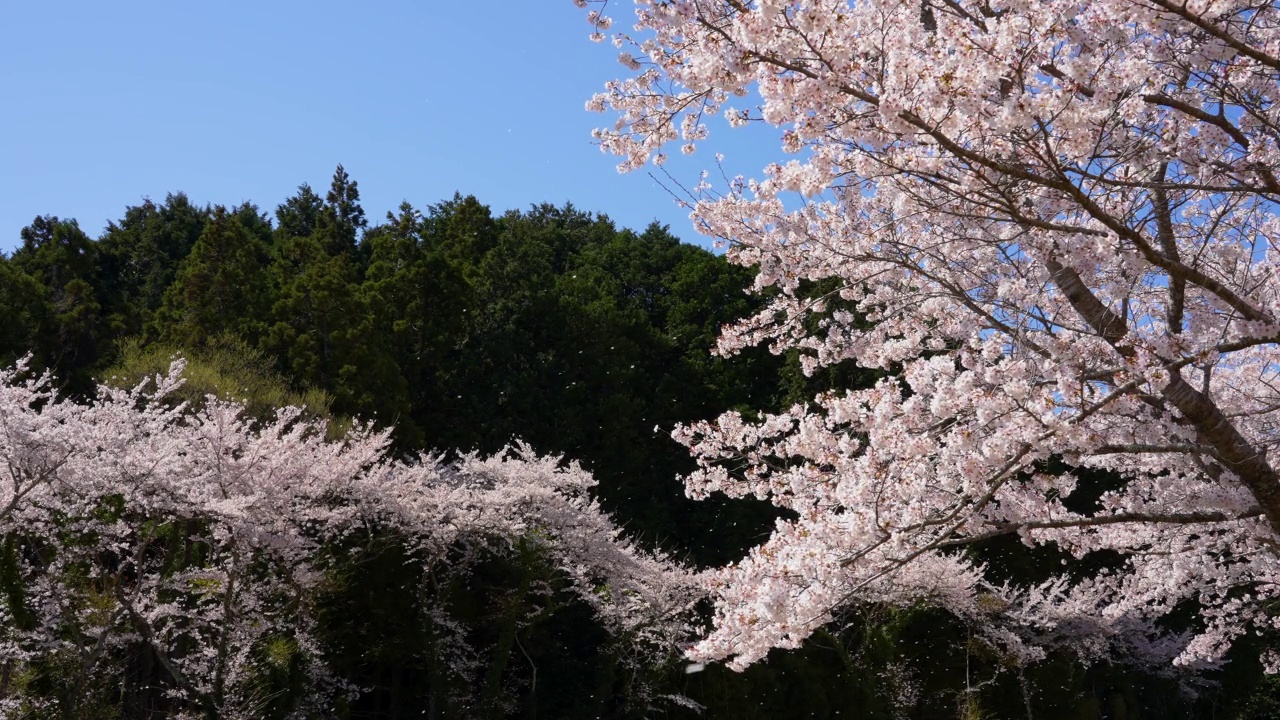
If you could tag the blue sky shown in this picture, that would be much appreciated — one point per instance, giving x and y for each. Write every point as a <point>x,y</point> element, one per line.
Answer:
<point>109,103</point>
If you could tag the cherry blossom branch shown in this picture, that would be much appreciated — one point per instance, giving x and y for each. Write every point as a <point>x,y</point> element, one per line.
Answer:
<point>1200,518</point>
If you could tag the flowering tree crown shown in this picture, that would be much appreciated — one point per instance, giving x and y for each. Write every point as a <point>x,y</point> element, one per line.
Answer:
<point>1053,224</point>
<point>132,525</point>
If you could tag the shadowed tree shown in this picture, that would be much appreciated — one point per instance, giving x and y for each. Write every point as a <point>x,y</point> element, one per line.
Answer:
<point>62,258</point>
<point>140,256</point>
<point>220,287</point>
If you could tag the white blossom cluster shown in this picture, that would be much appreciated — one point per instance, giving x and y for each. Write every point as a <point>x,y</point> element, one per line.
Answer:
<point>128,521</point>
<point>1053,226</point>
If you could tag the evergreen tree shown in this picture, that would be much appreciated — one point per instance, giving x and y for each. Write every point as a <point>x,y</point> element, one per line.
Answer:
<point>28,325</point>
<point>258,225</point>
<point>341,219</point>
<point>322,330</point>
<point>140,258</point>
<point>220,288</point>
<point>463,229</point>
<point>417,300</point>
<point>56,252</point>
<point>62,258</point>
<point>299,216</point>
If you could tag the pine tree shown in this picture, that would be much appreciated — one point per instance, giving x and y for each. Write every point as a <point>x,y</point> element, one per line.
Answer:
<point>62,258</point>
<point>342,218</point>
<point>140,258</point>
<point>299,215</point>
<point>221,287</point>
<point>28,325</point>
<point>322,331</point>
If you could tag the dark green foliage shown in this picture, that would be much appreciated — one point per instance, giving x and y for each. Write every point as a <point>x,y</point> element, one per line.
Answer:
<point>299,215</point>
<point>342,217</point>
<point>490,635</point>
<point>220,287</point>
<point>64,261</point>
<point>57,253</point>
<point>416,301</point>
<point>28,316</point>
<point>140,256</point>
<point>322,330</point>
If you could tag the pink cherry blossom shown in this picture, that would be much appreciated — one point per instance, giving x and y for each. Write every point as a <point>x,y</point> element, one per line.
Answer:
<point>1054,224</point>
<point>101,497</point>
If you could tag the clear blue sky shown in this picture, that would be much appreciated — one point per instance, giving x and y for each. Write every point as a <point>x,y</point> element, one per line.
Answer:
<point>108,103</point>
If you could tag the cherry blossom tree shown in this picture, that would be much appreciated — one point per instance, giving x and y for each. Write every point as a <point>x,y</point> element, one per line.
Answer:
<point>1052,225</point>
<point>129,524</point>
